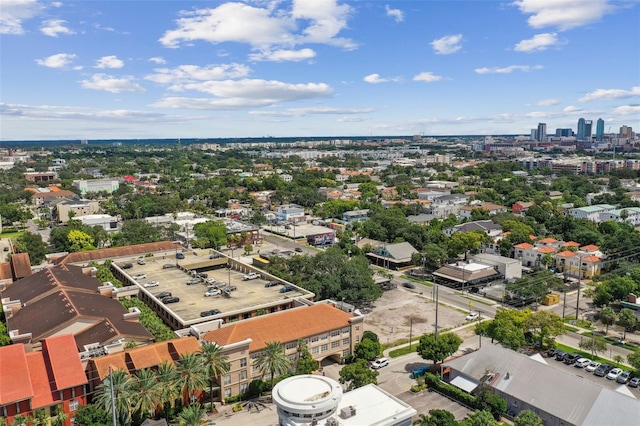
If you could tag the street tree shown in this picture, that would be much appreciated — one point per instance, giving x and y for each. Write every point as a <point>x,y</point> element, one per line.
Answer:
<point>358,374</point>
<point>479,418</point>
<point>192,375</point>
<point>527,418</point>
<point>32,244</point>
<point>607,317</point>
<point>437,350</point>
<point>594,345</point>
<point>545,324</point>
<point>367,349</point>
<point>634,360</point>
<point>192,415</point>
<point>116,391</point>
<point>627,319</point>
<point>508,327</point>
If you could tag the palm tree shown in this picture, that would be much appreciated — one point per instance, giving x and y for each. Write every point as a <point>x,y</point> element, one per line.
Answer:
<point>192,375</point>
<point>168,383</point>
<point>147,391</point>
<point>192,415</point>
<point>21,420</point>
<point>122,395</point>
<point>273,360</point>
<point>216,363</point>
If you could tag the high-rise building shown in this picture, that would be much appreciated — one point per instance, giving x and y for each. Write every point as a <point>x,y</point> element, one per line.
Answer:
<point>584,129</point>
<point>564,132</point>
<point>534,134</point>
<point>580,132</point>
<point>626,132</point>
<point>542,132</point>
<point>600,130</point>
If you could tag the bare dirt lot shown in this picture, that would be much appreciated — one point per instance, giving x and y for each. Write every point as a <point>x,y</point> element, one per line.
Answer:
<point>400,312</point>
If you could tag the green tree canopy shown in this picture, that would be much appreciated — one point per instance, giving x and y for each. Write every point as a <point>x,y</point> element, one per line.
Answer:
<point>527,418</point>
<point>212,233</point>
<point>358,374</point>
<point>32,244</point>
<point>437,350</point>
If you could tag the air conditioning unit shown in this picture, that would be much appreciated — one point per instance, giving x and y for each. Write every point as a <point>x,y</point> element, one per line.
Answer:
<point>347,412</point>
<point>331,422</point>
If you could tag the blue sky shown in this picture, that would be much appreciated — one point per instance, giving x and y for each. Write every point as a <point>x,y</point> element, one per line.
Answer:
<point>168,69</point>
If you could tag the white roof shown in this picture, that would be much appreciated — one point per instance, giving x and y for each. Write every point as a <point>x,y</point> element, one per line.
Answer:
<point>464,383</point>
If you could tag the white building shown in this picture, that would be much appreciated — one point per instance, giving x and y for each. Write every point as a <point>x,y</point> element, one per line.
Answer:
<point>632,215</point>
<point>109,223</point>
<point>290,212</point>
<point>591,213</point>
<point>318,400</point>
<point>106,185</point>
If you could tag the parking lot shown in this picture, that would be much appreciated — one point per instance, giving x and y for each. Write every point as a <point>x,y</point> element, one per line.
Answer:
<point>247,293</point>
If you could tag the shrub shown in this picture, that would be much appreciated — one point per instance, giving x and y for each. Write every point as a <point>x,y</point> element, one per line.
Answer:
<point>237,407</point>
<point>451,391</point>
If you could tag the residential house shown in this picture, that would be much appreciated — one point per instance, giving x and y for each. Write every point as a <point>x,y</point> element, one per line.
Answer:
<point>591,213</point>
<point>487,226</point>
<point>630,215</point>
<point>465,211</point>
<point>521,207</point>
<point>355,215</point>
<point>393,256</point>
<point>51,380</point>
<point>242,341</point>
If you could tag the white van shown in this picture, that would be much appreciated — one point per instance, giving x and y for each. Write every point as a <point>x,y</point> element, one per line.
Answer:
<point>379,363</point>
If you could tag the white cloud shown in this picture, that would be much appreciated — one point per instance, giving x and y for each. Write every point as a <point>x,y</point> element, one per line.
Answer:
<point>303,112</point>
<point>56,4</point>
<point>321,22</point>
<point>235,94</point>
<point>507,70</point>
<point>283,55</point>
<point>376,79</point>
<point>610,94</point>
<point>15,12</point>
<point>538,43</point>
<point>55,27</point>
<point>627,110</point>
<point>109,62</point>
<point>571,109</point>
<point>562,14</point>
<point>447,44</point>
<point>428,77</point>
<point>191,73</point>
<point>158,60</point>
<point>112,84</point>
<point>397,14</point>
<point>547,102</point>
<point>61,60</point>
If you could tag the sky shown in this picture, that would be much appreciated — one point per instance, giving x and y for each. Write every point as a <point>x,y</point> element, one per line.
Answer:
<point>258,68</point>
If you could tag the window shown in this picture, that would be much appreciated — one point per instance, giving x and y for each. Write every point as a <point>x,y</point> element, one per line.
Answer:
<point>227,379</point>
<point>357,338</point>
<point>227,393</point>
<point>357,327</point>
<point>255,369</point>
<point>325,336</point>
<point>73,405</point>
<point>254,355</point>
<point>244,387</point>
<point>314,339</point>
<point>243,374</point>
<point>291,345</point>
<point>324,348</point>
<point>293,357</point>
<point>335,333</point>
<point>345,330</point>
<point>345,341</point>
<point>243,362</point>
<point>335,344</point>
<point>315,350</point>
<point>346,353</point>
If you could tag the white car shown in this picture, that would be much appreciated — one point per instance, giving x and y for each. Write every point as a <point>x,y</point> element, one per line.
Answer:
<point>472,316</point>
<point>379,363</point>
<point>593,366</point>
<point>613,374</point>
<point>151,284</point>
<point>582,363</point>
<point>251,276</point>
<point>139,277</point>
<point>212,292</point>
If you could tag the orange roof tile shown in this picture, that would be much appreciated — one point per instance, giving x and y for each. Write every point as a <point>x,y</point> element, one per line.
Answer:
<point>64,360</point>
<point>524,246</point>
<point>533,237</point>
<point>590,247</point>
<point>42,396</point>
<point>15,383</point>
<point>114,361</point>
<point>285,326</point>
<point>566,253</point>
<point>185,345</point>
<point>143,357</point>
<point>545,250</point>
<point>591,259</point>
<point>570,244</point>
<point>548,240</point>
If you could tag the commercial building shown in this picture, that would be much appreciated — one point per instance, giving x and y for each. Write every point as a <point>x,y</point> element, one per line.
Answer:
<point>107,222</point>
<point>67,208</point>
<point>317,400</point>
<point>584,129</point>
<point>599,130</point>
<point>97,185</point>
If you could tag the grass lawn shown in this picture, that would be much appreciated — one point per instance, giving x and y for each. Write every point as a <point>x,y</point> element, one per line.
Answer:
<point>11,233</point>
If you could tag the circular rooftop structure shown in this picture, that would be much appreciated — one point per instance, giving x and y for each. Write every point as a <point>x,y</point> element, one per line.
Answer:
<point>306,397</point>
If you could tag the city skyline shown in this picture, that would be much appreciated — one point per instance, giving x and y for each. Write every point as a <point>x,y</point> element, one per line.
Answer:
<point>109,70</point>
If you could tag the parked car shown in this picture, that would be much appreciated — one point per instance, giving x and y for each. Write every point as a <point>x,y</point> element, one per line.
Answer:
<point>287,288</point>
<point>634,382</point>
<point>624,377</point>
<point>408,285</point>
<point>215,256</point>
<point>139,277</point>
<point>151,284</point>
<point>141,262</point>
<point>210,312</point>
<point>179,255</point>
<point>212,292</point>
<point>593,366</point>
<point>560,355</point>
<point>272,283</point>
<point>251,276</point>
<point>170,299</point>
<point>163,294</point>
<point>127,266</point>
<point>168,266</point>
<point>582,363</point>
<point>551,353</point>
<point>420,371</point>
<point>614,374</point>
<point>193,281</point>
<point>571,358</point>
<point>299,249</point>
<point>379,363</point>
<point>472,316</point>
<point>603,370</point>
<point>202,275</point>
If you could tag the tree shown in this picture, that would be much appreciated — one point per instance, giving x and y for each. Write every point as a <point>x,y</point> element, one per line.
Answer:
<point>79,241</point>
<point>437,350</point>
<point>168,381</point>
<point>487,400</point>
<point>91,415</point>
<point>634,360</point>
<point>358,374</point>
<point>136,231</point>
<point>248,249</point>
<point>273,360</point>
<point>147,393</point>
<point>192,375</point>
<point>508,327</point>
<point>607,317</point>
<point>212,233</point>
<point>627,319</point>
<point>479,418</point>
<point>305,364</point>
<point>433,256</point>
<point>463,242</point>
<point>216,363</point>
<point>527,418</point>
<point>192,415</point>
<point>547,324</point>
<point>32,244</point>
<point>437,417</point>
<point>120,385</point>
<point>594,345</point>
<point>367,349</point>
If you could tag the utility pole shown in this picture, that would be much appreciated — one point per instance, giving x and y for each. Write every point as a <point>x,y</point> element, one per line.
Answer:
<point>564,304</point>
<point>479,334</point>
<point>410,332</point>
<point>436,333</point>
<point>579,284</point>
<point>114,418</point>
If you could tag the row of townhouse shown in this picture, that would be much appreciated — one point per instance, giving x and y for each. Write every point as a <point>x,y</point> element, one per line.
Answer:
<point>567,257</point>
<point>604,212</point>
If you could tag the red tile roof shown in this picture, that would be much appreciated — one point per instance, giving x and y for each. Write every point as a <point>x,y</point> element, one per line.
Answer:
<point>591,259</point>
<point>546,250</point>
<point>110,253</point>
<point>524,246</point>
<point>590,247</point>
<point>548,240</point>
<point>42,396</point>
<point>566,253</point>
<point>64,361</point>
<point>570,244</point>
<point>15,383</point>
<point>285,326</point>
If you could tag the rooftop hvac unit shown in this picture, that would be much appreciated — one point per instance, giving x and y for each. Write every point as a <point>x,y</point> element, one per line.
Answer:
<point>314,422</point>
<point>331,422</point>
<point>347,412</point>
